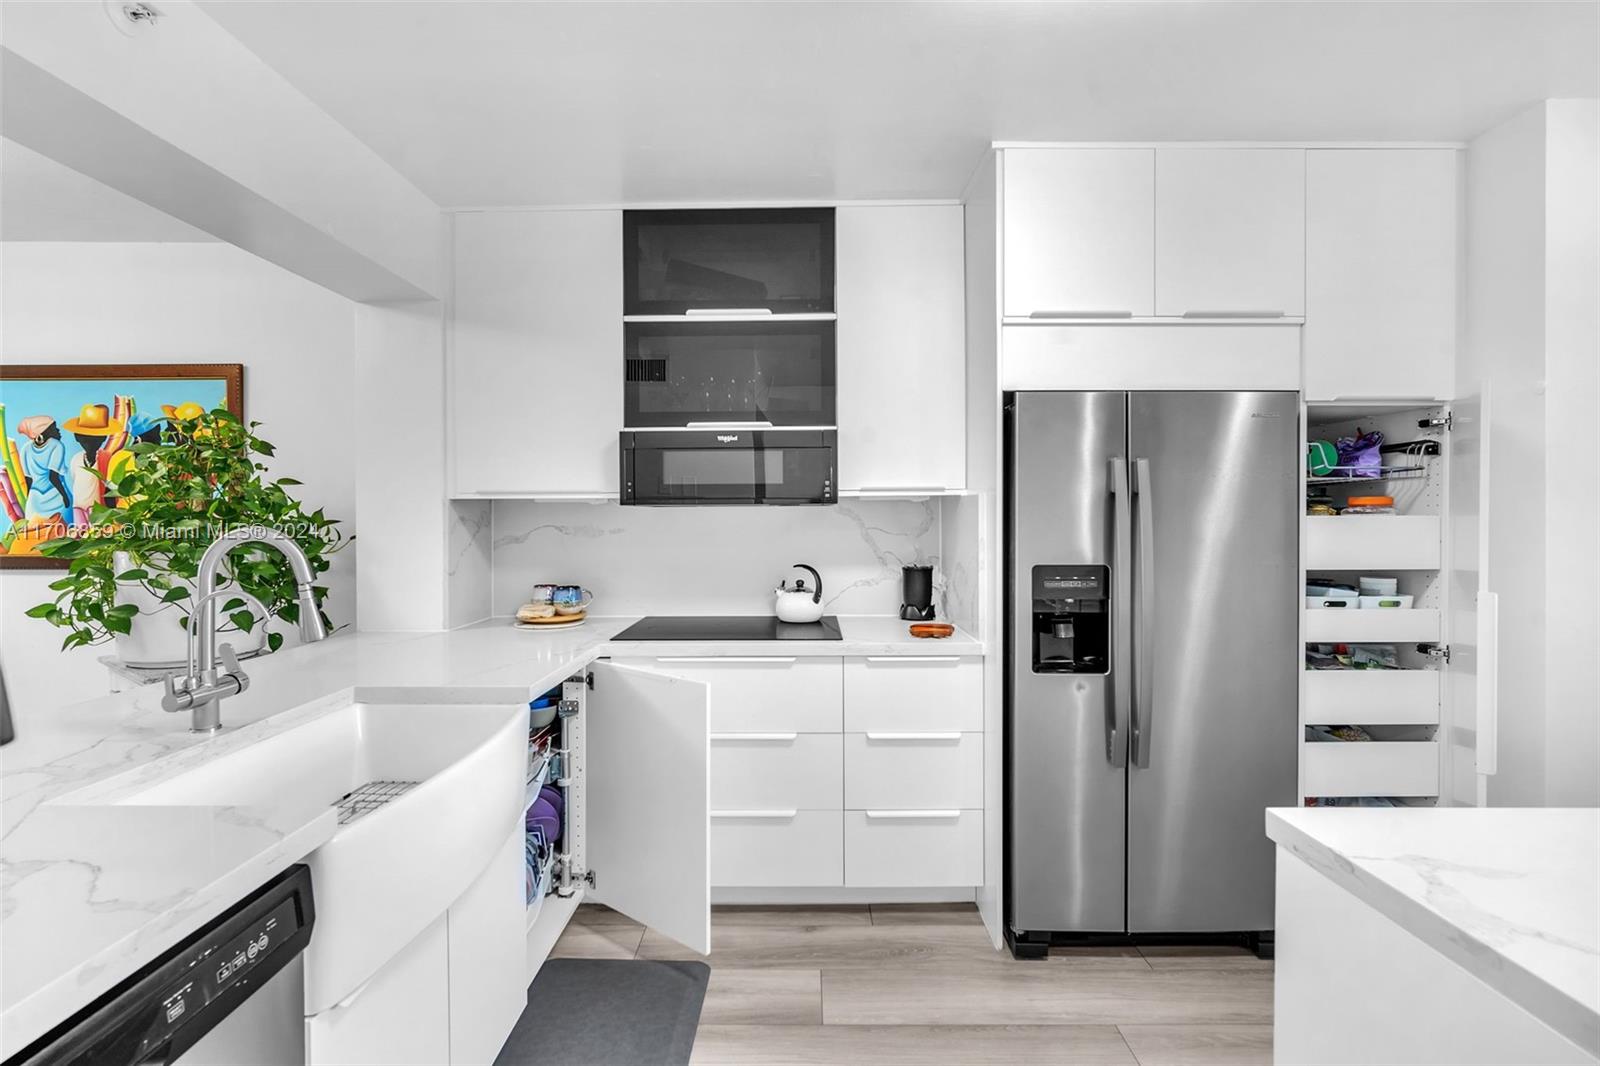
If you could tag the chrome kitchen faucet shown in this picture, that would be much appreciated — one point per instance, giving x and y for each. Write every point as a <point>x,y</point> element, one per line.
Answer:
<point>202,690</point>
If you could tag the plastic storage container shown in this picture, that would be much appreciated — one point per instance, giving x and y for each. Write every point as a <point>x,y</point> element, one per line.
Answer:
<point>1369,505</point>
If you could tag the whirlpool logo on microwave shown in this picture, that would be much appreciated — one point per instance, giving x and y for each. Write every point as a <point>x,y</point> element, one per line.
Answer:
<point>728,438</point>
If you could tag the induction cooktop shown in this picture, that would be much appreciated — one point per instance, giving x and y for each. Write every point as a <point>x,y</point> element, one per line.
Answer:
<point>729,627</point>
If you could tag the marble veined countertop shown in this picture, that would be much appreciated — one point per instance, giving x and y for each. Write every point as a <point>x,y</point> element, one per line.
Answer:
<point>90,892</point>
<point>1510,894</point>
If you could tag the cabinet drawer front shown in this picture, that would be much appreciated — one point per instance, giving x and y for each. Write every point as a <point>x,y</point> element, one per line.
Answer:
<point>1084,358</point>
<point>913,770</point>
<point>913,849</point>
<point>1372,542</point>
<point>761,694</point>
<point>755,771</point>
<point>913,694</point>
<point>776,848</point>
<point>1372,768</point>
<point>1377,625</point>
<point>1372,697</point>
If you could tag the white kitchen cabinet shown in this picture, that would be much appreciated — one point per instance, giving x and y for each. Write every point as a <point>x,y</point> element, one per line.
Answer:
<point>535,398</point>
<point>912,771</point>
<point>1432,721</point>
<point>1381,273</point>
<point>647,802</point>
<point>488,990</point>
<point>1230,232</point>
<point>777,849</point>
<point>766,771</point>
<point>634,768</point>
<point>401,1015</point>
<point>901,348</point>
<point>765,693</point>
<point>926,848</point>
<point>913,693</point>
<point>1079,232</point>
<point>788,782</point>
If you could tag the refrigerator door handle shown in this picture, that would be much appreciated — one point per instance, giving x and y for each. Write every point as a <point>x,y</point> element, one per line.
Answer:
<point>1143,616</point>
<point>1121,613</point>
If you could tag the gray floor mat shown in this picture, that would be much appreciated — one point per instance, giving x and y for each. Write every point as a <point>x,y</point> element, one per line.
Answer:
<point>609,1012</point>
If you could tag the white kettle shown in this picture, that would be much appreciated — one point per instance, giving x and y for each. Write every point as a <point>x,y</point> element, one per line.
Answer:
<point>799,604</point>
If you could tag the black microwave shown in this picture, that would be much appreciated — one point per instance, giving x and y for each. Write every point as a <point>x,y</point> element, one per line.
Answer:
<point>729,466</point>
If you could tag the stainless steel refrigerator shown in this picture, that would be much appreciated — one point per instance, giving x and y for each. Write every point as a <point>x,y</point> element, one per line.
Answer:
<point>1152,631</point>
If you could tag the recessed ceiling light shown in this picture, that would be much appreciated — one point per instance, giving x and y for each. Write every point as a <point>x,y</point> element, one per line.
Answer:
<point>132,18</point>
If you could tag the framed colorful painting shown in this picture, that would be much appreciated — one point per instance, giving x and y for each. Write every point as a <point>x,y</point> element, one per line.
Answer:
<point>65,432</point>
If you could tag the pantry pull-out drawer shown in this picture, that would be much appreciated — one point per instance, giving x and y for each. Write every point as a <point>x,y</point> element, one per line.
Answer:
<point>913,693</point>
<point>1371,768</point>
<point>913,770</point>
<point>913,848</point>
<point>1372,542</point>
<point>1372,697</point>
<point>752,771</point>
<point>776,848</point>
<point>1377,625</point>
<point>766,693</point>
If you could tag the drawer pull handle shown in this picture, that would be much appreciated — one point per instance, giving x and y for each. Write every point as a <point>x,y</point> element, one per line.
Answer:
<point>775,737</point>
<point>913,658</point>
<point>1233,314</point>
<point>913,814</point>
<point>754,814</point>
<point>725,659</point>
<point>913,736</point>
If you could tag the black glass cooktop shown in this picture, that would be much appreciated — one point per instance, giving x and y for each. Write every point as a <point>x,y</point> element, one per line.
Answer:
<point>729,627</point>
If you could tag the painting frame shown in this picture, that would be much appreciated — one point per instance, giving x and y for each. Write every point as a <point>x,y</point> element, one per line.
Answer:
<point>230,375</point>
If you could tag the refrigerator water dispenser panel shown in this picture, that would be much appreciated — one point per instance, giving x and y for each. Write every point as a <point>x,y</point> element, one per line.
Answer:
<point>1071,620</point>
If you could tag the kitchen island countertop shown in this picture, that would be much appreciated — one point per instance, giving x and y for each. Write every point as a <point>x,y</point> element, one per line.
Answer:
<point>1508,894</point>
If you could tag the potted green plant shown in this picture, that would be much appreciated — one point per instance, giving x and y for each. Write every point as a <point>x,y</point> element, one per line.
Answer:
<point>131,574</point>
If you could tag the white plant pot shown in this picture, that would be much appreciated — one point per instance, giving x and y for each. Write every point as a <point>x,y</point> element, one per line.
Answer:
<point>155,638</point>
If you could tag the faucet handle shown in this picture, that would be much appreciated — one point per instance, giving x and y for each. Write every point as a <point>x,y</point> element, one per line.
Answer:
<point>177,697</point>
<point>230,666</point>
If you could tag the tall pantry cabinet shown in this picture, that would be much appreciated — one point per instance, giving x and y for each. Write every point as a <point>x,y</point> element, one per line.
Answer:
<point>1331,270</point>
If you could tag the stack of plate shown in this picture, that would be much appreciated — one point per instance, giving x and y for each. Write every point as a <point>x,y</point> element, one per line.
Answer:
<point>532,616</point>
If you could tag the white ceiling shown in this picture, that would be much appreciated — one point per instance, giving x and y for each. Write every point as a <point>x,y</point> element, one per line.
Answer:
<point>568,103</point>
<point>41,200</point>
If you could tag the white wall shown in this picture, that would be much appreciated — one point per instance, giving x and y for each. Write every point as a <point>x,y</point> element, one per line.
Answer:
<point>399,359</point>
<point>713,560</point>
<point>1531,344</point>
<point>1572,479</point>
<point>178,303</point>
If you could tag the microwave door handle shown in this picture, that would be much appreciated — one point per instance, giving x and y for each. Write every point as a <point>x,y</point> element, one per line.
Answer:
<point>1144,616</point>
<point>728,425</point>
<point>1121,614</point>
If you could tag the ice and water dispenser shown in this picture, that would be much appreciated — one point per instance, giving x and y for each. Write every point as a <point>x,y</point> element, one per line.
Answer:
<point>1071,620</point>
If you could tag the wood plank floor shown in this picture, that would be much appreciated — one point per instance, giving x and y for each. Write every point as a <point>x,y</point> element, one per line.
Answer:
<point>922,984</point>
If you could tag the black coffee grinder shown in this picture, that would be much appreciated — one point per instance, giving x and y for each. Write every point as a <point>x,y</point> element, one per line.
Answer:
<point>917,593</point>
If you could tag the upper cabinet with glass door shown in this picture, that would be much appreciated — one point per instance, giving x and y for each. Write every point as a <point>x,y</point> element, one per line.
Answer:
<point>737,262</point>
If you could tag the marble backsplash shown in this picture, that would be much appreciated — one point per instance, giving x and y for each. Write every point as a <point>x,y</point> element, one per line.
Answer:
<point>713,560</point>
<point>469,562</point>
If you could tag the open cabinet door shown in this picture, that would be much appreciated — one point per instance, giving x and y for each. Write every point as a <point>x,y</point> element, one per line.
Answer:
<point>646,798</point>
<point>1470,678</point>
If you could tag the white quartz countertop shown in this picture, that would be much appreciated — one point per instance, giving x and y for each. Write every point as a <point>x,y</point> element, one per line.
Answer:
<point>1511,895</point>
<point>91,892</point>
